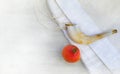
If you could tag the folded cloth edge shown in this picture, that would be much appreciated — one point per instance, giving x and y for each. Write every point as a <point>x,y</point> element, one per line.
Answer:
<point>92,68</point>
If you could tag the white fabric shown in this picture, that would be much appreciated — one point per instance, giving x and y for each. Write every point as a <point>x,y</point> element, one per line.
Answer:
<point>100,62</point>
<point>107,53</point>
<point>87,53</point>
<point>71,9</point>
<point>26,46</point>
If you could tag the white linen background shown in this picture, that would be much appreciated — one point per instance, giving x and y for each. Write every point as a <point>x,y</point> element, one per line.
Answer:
<point>28,47</point>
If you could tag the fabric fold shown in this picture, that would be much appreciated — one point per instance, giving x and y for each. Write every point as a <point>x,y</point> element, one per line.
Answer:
<point>103,48</point>
<point>90,59</point>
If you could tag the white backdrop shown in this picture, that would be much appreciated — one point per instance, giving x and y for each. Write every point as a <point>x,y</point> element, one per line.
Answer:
<point>28,47</point>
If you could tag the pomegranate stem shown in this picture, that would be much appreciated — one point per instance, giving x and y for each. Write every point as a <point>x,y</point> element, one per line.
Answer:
<point>74,50</point>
